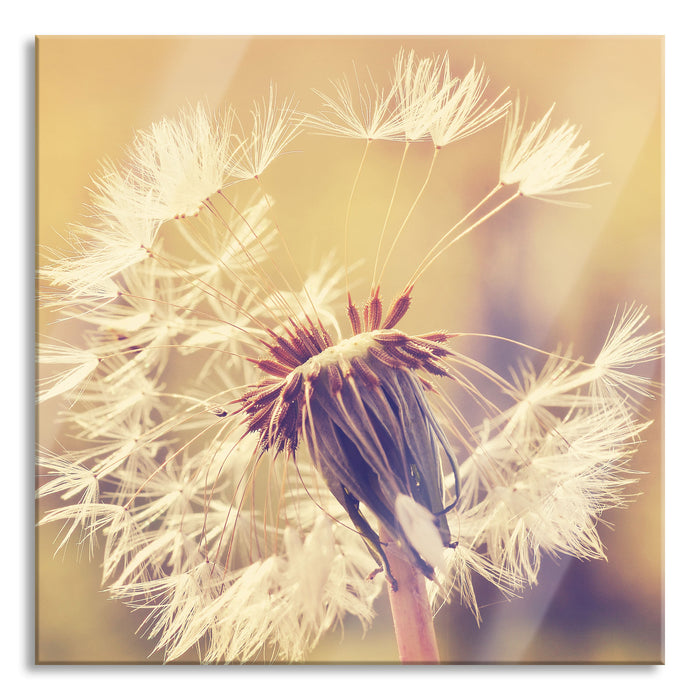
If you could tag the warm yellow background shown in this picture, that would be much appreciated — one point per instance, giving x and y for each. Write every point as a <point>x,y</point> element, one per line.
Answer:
<point>538,273</point>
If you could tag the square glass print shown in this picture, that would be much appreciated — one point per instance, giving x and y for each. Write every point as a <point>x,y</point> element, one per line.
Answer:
<point>349,350</point>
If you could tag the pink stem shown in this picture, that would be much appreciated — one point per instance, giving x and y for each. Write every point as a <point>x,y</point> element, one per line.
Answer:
<point>413,619</point>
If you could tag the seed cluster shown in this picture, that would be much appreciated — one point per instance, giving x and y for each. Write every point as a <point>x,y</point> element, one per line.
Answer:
<point>274,406</point>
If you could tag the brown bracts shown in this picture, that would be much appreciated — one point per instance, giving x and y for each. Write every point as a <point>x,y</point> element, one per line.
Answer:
<point>360,405</point>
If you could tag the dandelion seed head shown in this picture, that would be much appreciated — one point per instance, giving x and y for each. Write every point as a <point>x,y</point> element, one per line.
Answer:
<point>247,452</point>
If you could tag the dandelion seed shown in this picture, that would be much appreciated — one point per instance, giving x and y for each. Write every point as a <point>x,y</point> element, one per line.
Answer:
<point>461,110</point>
<point>544,162</point>
<point>274,128</point>
<point>371,115</point>
<point>100,253</point>
<point>420,92</point>
<point>172,168</point>
<point>85,361</point>
<point>623,348</point>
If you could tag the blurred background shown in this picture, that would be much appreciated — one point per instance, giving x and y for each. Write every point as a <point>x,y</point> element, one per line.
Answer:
<point>538,273</point>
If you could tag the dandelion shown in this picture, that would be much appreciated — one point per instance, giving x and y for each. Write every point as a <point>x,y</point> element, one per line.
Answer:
<point>261,462</point>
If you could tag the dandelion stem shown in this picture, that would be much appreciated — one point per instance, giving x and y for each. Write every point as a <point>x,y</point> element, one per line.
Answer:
<point>430,253</point>
<point>347,211</point>
<point>268,202</point>
<point>388,211</point>
<point>425,265</point>
<point>413,619</point>
<point>436,151</point>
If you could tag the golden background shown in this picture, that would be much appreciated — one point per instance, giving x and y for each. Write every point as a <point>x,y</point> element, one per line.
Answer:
<point>539,273</point>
